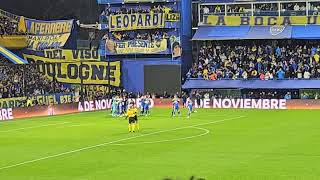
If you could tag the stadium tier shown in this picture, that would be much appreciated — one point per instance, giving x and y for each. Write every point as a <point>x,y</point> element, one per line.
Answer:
<point>191,89</point>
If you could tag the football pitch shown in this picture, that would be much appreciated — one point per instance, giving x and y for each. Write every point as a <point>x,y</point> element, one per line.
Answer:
<point>211,145</point>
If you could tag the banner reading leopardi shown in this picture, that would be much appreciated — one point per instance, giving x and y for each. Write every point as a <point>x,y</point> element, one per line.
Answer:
<point>47,34</point>
<point>75,72</point>
<point>213,20</point>
<point>124,22</point>
<point>136,47</point>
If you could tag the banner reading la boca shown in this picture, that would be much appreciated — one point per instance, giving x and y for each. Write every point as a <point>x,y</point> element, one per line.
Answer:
<point>213,20</point>
<point>47,34</point>
<point>73,71</point>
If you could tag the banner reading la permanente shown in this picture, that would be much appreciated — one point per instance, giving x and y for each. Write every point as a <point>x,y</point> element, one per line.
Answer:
<point>136,47</point>
<point>124,22</point>
<point>47,34</point>
<point>212,20</point>
<point>74,72</point>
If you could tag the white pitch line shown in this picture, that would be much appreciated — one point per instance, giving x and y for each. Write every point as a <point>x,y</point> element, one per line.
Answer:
<point>112,142</point>
<point>33,127</point>
<point>206,131</point>
<point>77,125</point>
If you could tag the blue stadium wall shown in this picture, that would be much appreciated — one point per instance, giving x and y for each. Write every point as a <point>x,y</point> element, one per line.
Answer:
<point>133,72</point>
<point>133,69</point>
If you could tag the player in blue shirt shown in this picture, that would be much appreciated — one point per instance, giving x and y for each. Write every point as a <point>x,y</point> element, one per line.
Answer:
<point>120,110</point>
<point>175,106</point>
<point>125,105</point>
<point>142,104</point>
<point>147,105</point>
<point>189,106</point>
<point>114,108</point>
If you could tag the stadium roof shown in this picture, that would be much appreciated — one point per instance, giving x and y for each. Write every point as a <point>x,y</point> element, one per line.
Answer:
<point>251,84</point>
<point>257,32</point>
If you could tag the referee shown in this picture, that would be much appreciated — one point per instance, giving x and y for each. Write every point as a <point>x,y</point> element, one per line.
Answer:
<point>133,119</point>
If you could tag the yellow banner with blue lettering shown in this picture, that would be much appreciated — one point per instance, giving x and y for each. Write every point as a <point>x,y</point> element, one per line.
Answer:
<point>47,34</point>
<point>72,55</point>
<point>125,22</point>
<point>75,72</point>
<point>136,47</point>
<point>173,17</point>
<point>57,98</point>
<point>212,20</point>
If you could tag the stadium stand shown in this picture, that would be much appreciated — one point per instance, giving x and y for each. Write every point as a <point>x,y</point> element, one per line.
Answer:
<point>25,80</point>
<point>151,35</point>
<point>132,9</point>
<point>8,26</point>
<point>276,60</point>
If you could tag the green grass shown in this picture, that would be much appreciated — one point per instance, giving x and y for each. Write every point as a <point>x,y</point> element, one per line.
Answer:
<point>241,145</point>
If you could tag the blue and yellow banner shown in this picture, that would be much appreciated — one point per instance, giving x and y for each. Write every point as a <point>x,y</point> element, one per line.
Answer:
<point>47,34</point>
<point>124,22</point>
<point>13,42</point>
<point>176,49</point>
<point>136,47</point>
<point>11,56</point>
<point>58,98</point>
<point>72,55</point>
<point>173,17</point>
<point>75,72</point>
<point>213,20</point>
<point>12,102</point>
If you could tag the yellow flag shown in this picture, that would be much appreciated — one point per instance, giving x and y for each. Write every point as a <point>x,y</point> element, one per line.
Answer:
<point>22,25</point>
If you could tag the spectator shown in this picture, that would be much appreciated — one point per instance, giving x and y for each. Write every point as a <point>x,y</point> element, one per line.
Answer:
<point>287,96</point>
<point>296,7</point>
<point>206,10</point>
<point>262,76</point>
<point>316,57</point>
<point>306,75</point>
<point>280,74</point>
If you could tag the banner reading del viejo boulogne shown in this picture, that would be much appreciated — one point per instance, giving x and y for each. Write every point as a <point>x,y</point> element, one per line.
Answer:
<point>89,72</point>
<point>47,34</point>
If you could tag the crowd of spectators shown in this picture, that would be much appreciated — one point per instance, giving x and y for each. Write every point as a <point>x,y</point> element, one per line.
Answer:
<point>266,7</point>
<point>159,8</point>
<point>220,9</point>
<point>138,9</point>
<point>218,60</point>
<point>256,94</point>
<point>262,9</point>
<point>8,27</point>
<point>25,80</point>
<point>151,35</point>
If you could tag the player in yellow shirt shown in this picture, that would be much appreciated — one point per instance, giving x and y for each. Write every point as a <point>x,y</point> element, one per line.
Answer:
<point>133,118</point>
